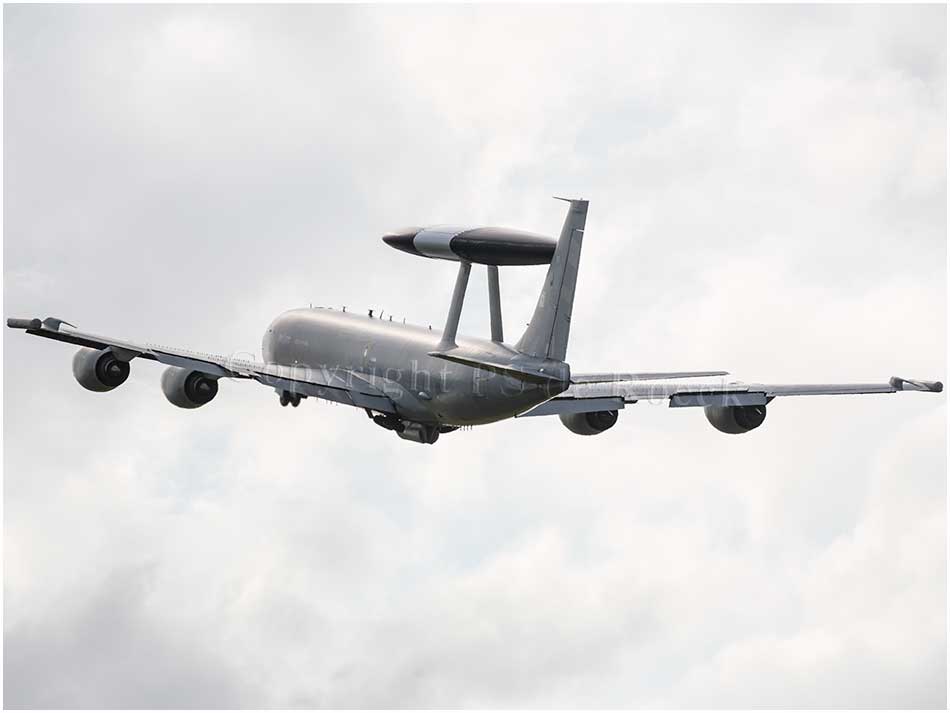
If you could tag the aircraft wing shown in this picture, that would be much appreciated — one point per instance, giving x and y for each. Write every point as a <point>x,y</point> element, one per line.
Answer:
<point>608,396</point>
<point>340,385</point>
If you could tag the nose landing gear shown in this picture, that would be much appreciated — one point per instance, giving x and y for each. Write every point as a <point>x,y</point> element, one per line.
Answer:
<point>288,398</point>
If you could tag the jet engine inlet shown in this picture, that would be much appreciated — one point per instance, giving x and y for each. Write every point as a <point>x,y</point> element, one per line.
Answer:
<point>99,370</point>
<point>188,389</point>
<point>735,419</point>
<point>589,424</point>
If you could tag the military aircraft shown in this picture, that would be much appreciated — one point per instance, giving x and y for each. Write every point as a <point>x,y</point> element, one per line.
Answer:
<point>420,383</point>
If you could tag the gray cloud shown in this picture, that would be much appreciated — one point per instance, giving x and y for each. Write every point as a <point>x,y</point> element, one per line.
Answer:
<point>105,649</point>
<point>768,192</point>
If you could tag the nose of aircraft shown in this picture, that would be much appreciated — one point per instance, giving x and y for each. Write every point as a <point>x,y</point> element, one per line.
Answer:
<point>402,239</point>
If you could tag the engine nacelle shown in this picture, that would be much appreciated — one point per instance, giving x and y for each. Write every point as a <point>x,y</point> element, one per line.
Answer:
<point>188,389</point>
<point>589,424</point>
<point>735,419</point>
<point>99,370</point>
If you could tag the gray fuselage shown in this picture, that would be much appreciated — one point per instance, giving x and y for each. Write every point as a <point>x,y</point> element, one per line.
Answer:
<point>394,357</point>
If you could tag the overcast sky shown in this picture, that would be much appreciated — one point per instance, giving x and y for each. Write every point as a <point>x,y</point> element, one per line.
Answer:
<point>768,196</point>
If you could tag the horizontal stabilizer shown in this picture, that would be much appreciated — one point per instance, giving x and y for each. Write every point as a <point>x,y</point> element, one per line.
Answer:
<point>534,371</point>
<point>644,376</point>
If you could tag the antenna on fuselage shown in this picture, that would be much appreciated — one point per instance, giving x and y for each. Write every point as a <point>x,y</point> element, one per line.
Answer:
<point>494,304</point>
<point>455,307</point>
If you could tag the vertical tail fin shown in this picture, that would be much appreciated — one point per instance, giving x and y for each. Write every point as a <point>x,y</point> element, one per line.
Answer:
<point>550,326</point>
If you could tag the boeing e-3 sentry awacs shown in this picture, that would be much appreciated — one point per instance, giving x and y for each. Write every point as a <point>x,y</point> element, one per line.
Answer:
<point>419,382</point>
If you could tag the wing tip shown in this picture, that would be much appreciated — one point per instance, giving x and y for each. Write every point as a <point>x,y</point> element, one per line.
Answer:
<point>50,323</point>
<point>901,384</point>
<point>20,323</point>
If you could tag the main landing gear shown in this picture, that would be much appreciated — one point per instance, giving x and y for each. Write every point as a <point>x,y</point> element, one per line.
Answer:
<point>288,398</point>
<point>410,430</point>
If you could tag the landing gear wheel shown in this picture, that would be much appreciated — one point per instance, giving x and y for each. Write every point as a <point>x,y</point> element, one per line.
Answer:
<point>284,398</point>
<point>295,400</point>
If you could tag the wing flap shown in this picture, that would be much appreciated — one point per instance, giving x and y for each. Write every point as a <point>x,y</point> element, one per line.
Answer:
<point>560,406</point>
<point>828,389</point>
<point>723,398</point>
